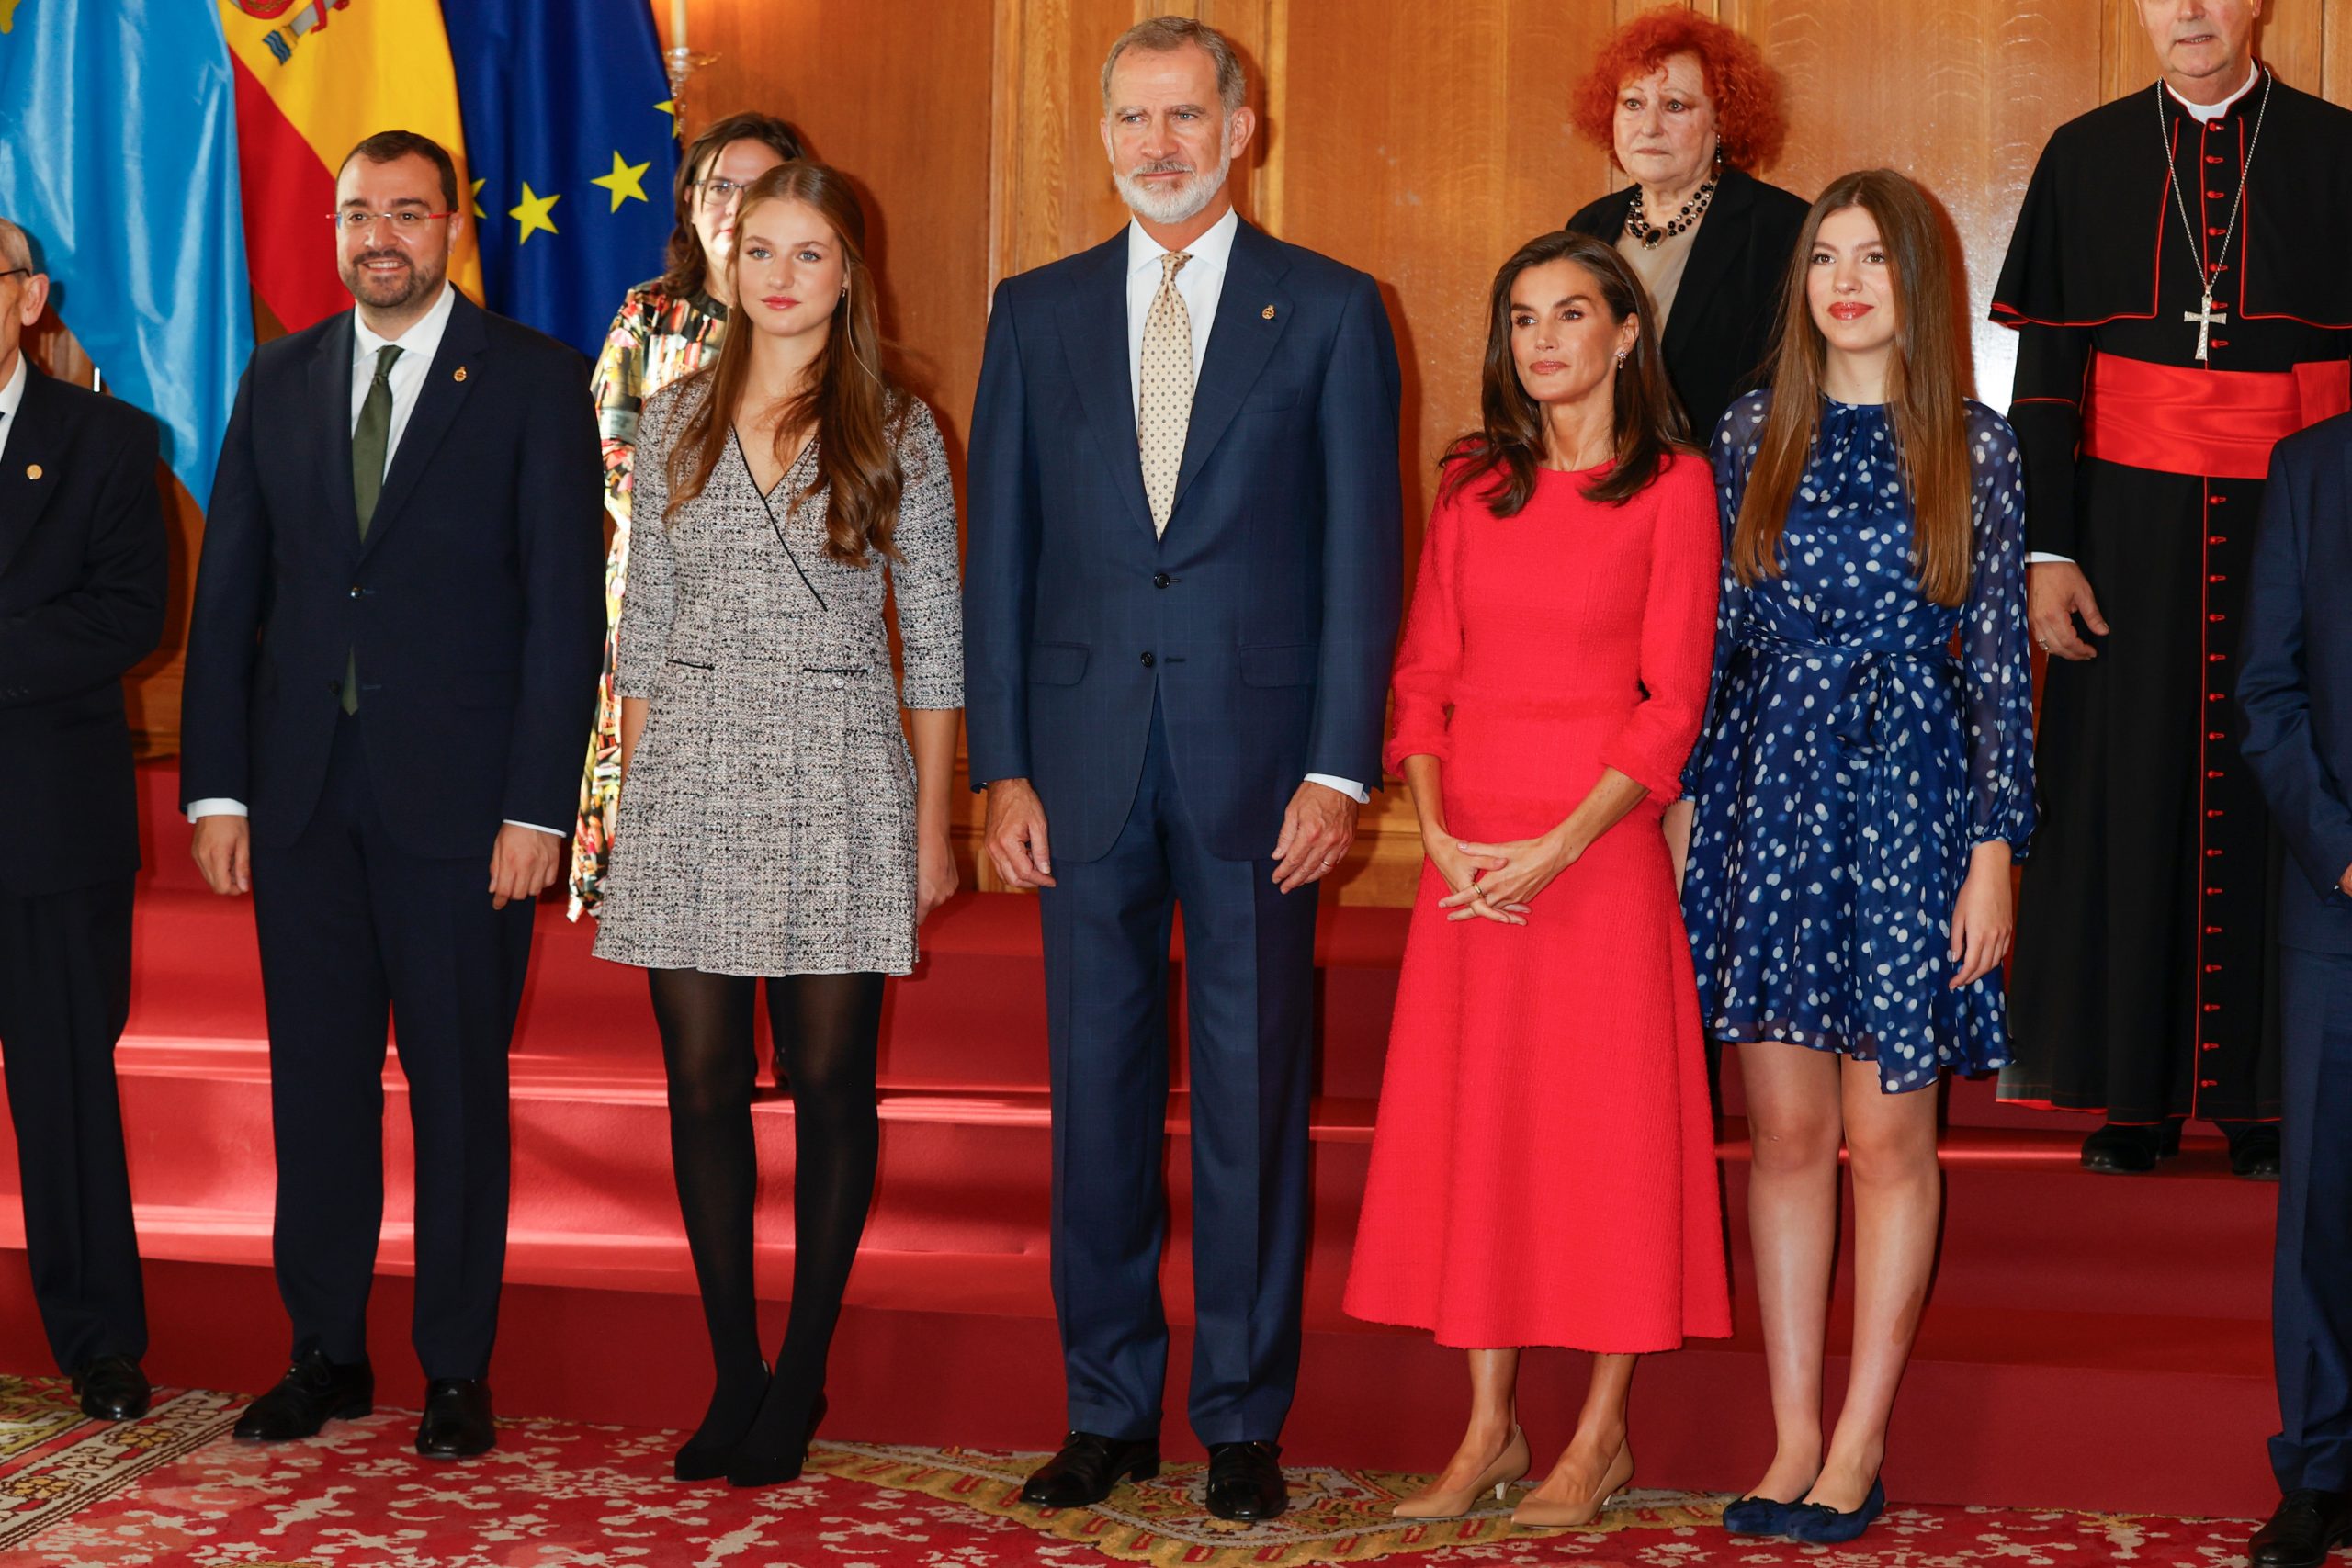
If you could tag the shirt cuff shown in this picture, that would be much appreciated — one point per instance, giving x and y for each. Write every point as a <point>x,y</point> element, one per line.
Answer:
<point>1348,787</point>
<point>215,805</point>
<point>2037,557</point>
<point>535,828</point>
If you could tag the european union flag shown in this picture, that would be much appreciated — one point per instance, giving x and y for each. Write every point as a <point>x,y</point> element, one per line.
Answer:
<point>573,151</point>
<point>118,155</point>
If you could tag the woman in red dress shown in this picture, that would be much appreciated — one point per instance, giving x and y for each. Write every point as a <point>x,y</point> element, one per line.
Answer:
<point>1543,1171</point>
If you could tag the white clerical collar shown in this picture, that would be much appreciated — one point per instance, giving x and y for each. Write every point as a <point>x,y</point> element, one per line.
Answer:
<point>424,339</point>
<point>1210,252</point>
<point>2209,113</point>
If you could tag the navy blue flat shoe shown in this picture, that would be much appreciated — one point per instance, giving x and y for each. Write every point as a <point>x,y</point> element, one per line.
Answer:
<point>1818,1525</point>
<point>1757,1516</point>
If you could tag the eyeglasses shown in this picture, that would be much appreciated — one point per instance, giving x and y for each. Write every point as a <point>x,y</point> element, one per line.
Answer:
<point>18,272</point>
<point>717,192</point>
<point>410,222</point>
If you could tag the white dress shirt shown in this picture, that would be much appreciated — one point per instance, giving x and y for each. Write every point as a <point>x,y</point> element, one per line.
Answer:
<point>2207,113</point>
<point>1200,282</point>
<point>12,398</point>
<point>418,345</point>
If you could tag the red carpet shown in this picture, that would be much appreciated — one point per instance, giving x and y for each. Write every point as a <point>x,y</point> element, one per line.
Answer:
<point>2093,1342</point>
<point>171,1490</point>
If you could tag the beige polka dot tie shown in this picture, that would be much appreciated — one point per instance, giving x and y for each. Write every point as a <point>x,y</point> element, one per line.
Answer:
<point>1164,404</point>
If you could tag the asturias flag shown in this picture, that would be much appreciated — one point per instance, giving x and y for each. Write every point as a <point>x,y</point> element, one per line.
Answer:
<point>572,144</point>
<point>119,156</point>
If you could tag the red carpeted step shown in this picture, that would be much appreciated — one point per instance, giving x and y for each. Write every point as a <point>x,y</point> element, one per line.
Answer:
<point>2094,1341</point>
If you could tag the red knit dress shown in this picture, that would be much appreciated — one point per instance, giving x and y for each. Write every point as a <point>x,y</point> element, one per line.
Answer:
<point>1543,1171</point>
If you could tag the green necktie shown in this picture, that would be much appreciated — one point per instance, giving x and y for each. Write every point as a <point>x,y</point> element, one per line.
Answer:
<point>369,438</point>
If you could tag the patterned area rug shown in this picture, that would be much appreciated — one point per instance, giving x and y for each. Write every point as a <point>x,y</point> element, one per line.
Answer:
<point>175,1490</point>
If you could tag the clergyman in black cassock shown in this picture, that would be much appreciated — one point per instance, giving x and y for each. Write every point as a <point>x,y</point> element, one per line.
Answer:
<point>2143,988</point>
<point>83,561</point>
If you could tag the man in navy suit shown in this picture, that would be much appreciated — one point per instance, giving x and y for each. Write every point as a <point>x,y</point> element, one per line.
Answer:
<point>392,657</point>
<point>2296,688</point>
<point>82,578</point>
<point>1179,604</point>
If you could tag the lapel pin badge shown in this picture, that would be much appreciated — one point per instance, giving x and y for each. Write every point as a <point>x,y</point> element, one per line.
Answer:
<point>459,373</point>
<point>1268,312</point>
<point>32,470</point>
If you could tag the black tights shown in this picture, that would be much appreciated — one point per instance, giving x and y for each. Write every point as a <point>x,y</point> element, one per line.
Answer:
<point>826,1028</point>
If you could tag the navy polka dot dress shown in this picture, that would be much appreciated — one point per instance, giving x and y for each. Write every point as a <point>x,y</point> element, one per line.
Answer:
<point>1851,762</point>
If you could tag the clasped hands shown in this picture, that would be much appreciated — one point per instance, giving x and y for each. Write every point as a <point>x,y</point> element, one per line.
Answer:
<point>1499,882</point>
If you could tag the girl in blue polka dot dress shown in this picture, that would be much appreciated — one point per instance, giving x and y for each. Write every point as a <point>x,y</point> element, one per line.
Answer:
<point>1864,780</point>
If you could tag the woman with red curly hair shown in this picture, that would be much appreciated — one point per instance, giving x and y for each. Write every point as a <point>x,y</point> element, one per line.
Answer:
<point>1686,107</point>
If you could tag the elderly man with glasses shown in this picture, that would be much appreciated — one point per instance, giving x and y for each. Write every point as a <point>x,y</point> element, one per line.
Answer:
<point>82,581</point>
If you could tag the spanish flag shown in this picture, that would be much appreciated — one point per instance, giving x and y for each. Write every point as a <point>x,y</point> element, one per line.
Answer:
<point>314,79</point>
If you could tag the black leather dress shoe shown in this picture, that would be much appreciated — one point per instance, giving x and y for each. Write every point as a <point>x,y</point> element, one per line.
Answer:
<point>458,1423</point>
<point>2253,1149</point>
<point>1246,1482</point>
<point>313,1392</point>
<point>2116,1150</point>
<point>2307,1524</point>
<point>1089,1469</point>
<point>112,1389</point>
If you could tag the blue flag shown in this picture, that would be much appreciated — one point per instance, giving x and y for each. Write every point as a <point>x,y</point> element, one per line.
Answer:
<point>119,156</point>
<point>571,141</point>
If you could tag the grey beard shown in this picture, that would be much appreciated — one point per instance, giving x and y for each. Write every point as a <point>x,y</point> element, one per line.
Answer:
<point>1177,206</point>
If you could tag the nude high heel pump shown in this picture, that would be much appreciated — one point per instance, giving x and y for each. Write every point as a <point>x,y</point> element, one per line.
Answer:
<point>1544,1514</point>
<point>1510,1466</point>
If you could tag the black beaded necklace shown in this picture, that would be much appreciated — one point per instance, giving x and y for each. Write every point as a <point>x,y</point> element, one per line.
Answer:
<point>1652,235</point>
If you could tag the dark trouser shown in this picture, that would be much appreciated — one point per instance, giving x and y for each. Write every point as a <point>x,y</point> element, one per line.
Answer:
<point>64,992</point>
<point>2311,1306</point>
<point>1249,988</point>
<point>356,932</point>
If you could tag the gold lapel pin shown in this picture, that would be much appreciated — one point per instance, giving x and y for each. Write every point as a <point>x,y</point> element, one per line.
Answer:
<point>32,470</point>
<point>460,375</point>
<point>1268,312</point>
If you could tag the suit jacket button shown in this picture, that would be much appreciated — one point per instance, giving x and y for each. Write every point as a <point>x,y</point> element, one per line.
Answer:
<point>1148,661</point>
<point>1160,579</point>
<point>354,591</point>
<point>335,687</point>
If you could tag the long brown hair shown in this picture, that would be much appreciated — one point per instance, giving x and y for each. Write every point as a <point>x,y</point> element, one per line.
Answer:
<point>1925,391</point>
<point>685,269</point>
<point>855,409</point>
<point>1510,442</point>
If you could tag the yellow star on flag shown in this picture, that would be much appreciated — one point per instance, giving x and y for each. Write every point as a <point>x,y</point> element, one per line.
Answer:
<point>627,182</point>
<point>478,211</point>
<point>533,213</point>
<point>670,107</point>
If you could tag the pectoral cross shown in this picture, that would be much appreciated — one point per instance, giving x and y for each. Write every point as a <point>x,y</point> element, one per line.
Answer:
<point>2206,320</point>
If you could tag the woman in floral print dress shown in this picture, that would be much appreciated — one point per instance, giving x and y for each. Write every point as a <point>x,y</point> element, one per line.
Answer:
<point>665,330</point>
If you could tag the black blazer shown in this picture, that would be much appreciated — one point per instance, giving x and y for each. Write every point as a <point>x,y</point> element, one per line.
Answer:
<point>82,566</point>
<point>1721,327</point>
<point>2295,678</point>
<point>476,607</point>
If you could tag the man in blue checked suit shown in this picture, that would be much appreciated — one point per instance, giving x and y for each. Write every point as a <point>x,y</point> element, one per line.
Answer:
<point>1180,600</point>
<point>2296,688</point>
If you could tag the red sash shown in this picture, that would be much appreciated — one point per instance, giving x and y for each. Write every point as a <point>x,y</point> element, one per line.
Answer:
<point>2211,424</point>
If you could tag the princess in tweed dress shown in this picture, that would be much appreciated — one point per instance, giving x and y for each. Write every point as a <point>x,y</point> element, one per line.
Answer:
<point>773,826</point>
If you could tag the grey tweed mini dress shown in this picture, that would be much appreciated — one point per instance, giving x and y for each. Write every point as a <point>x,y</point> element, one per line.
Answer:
<point>767,823</point>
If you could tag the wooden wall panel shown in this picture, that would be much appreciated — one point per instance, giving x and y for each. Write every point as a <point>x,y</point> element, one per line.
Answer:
<point>1965,112</point>
<point>896,92</point>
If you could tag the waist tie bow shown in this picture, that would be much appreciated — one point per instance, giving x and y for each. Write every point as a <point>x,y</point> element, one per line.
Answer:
<point>1878,682</point>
